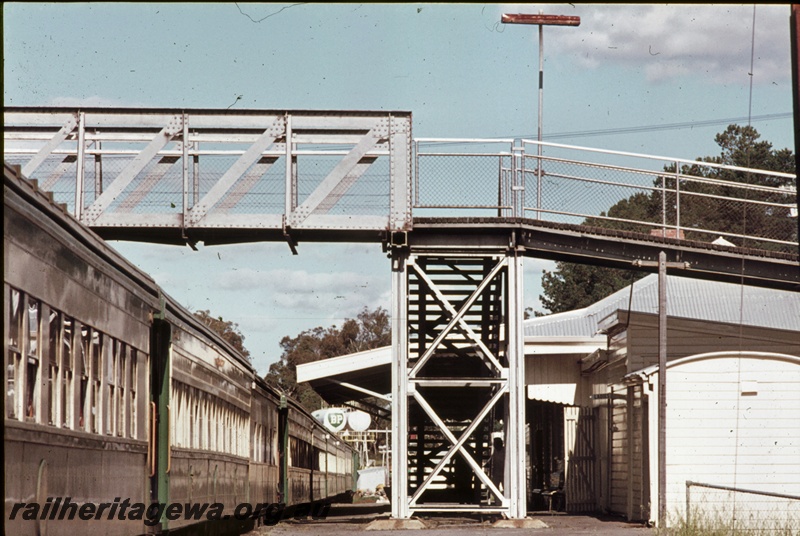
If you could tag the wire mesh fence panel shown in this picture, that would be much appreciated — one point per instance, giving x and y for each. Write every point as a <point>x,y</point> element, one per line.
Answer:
<point>464,182</point>
<point>741,214</point>
<point>363,191</point>
<point>261,190</point>
<point>57,175</point>
<point>602,196</point>
<point>474,177</point>
<point>157,188</point>
<point>739,511</point>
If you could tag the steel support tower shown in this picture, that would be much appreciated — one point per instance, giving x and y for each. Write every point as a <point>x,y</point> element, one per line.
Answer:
<point>457,379</point>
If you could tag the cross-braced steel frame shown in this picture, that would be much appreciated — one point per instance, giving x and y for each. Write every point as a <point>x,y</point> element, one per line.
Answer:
<point>205,172</point>
<point>457,377</point>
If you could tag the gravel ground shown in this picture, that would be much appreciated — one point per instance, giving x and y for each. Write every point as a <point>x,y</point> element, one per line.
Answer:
<point>343,520</point>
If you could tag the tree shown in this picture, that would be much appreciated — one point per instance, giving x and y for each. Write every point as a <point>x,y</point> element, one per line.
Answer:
<point>572,286</point>
<point>226,329</point>
<point>370,329</point>
<point>740,147</point>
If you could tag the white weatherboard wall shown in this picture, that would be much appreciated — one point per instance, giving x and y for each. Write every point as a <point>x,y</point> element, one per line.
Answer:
<point>733,419</point>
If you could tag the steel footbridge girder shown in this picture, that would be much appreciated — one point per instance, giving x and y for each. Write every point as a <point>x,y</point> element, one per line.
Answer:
<point>611,248</point>
<point>177,175</point>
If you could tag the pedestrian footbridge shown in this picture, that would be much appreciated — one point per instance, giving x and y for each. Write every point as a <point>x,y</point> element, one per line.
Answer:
<point>457,216</point>
<point>224,176</point>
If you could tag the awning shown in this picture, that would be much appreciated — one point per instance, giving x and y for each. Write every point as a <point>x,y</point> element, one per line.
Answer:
<point>362,375</point>
<point>350,377</point>
<point>553,368</point>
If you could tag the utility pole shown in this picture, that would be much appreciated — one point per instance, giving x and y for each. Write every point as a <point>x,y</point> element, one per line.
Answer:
<point>540,20</point>
<point>794,37</point>
<point>662,266</point>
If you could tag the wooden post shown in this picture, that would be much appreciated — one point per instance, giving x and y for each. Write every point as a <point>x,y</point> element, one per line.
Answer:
<point>662,389</point>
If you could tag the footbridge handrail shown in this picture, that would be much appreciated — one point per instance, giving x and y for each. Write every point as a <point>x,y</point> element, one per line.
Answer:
<point>663,196</point>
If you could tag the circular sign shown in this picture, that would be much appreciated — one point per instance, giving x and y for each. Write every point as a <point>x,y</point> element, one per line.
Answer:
<point>359,421</point>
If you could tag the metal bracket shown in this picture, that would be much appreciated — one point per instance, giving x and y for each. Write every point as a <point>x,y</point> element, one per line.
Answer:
<point>161,314</point>
<point>654,264</point>
<point>291,241</point>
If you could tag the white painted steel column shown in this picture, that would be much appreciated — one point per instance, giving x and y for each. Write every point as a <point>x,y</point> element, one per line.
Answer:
<point>79,170</point>
<point>399,477</point>
<point>400,170</point>
<point>185,169</point>
<point>289,188</point>
<point>515,426</point>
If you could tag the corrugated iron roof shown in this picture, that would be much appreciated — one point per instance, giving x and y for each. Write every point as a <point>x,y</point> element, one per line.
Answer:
<point>686,298</point>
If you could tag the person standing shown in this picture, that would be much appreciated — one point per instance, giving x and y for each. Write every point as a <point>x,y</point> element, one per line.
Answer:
<point>497,463</point>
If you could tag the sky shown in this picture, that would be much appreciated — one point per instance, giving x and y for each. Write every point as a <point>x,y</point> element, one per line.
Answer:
<point>650,78</point>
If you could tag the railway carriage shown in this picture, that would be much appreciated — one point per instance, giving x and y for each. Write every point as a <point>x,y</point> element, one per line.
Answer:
<point>318,464</point>
<point>115,392</point>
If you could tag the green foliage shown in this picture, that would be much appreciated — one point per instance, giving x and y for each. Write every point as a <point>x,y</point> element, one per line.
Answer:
<point>572,286</point>
<point>741,147</point>
<point>369,330</point>
<point>226,329</point>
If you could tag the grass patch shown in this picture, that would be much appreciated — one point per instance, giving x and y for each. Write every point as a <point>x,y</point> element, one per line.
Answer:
<point>722,524</point>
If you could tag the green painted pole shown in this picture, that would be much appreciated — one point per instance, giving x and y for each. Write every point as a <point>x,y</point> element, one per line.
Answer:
<point>283,430</point>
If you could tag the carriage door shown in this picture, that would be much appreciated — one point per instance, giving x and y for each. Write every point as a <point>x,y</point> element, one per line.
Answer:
<point>159,451</point>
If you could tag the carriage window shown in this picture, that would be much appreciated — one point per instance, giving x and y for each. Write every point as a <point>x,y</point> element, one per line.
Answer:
<point>15,318</point>
<point>110,402</point>
<point>202,428</point>
<point>179,423</point>
<point>221,429</point>
<point>54,336</point>
<point>212,427</point>
<point>83,371</point>
<point>11,394</point>
<point>14,357</point>
<point>204,425</point>
<point>273,447</point>
<point>67,392</point>
<point>190,410</point>
<point>300,453</point>
<point>132,387</point>
<point>198,426</point>
<point>32,393</point>
<point>97,367</point>
<point>33,328</point>
<point>257,443</point>
<point>264,448</point>
<point>235,430</point>
<point>120,380</point>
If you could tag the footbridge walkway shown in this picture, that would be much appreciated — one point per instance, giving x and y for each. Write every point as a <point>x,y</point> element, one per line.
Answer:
<point>224,176</point>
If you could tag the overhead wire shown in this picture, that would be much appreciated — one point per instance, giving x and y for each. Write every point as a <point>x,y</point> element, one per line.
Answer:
<point>669,126</point>
<point>643,128</point>
<point>751,74</point>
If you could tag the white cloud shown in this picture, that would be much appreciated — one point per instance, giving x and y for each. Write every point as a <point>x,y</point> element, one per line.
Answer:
<point>307,292</point>
<point>670,41</point>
